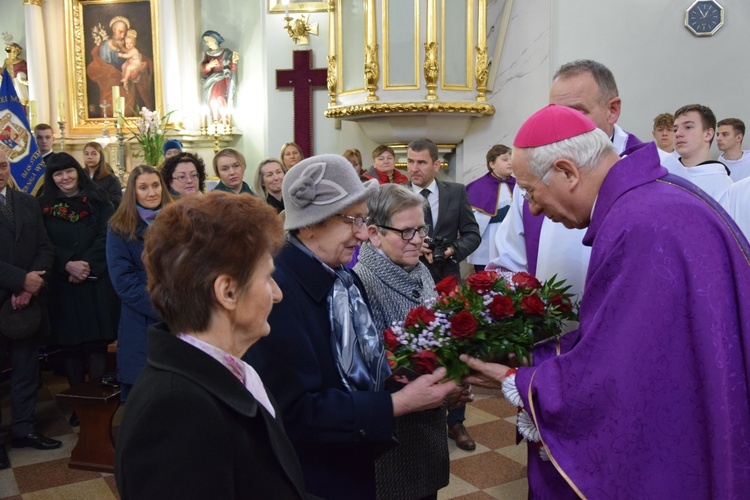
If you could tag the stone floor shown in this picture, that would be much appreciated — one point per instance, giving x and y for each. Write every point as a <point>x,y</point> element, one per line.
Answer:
<point>496,469</point>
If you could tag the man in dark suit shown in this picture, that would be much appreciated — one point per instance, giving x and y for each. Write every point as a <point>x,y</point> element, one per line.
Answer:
<point>454,234</point>
<point>26,254</point>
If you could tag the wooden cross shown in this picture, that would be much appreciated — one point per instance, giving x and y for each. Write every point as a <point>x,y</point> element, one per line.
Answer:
<point>302,79</point>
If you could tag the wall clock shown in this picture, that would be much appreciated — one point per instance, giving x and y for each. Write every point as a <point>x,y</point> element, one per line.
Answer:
<point>704,17</point>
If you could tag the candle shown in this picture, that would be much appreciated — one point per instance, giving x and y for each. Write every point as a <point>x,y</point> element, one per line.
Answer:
<point>115,94</point>
<point>204,117</point>
<point>286,8</point>
<point>60,106</point>
<point>120,110</point>
<point>32,114</point>
<point>431,22</point>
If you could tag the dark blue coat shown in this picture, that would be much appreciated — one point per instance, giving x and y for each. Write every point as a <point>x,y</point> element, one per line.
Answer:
<point>337,434</point>
<point>129,279</point>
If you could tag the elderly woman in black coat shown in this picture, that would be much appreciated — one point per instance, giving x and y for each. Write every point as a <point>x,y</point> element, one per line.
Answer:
<point>325,361</point>
<point>199,422</point>
<point>83,307</point>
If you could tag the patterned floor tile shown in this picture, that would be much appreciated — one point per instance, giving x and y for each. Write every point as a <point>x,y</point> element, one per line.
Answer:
<point>8,486</point>
<point>95,488</point>
<point>497,406</point>
<point>456,488</point>
<point>51,474</point>
<point>493,434</point>
<point>514,490</point>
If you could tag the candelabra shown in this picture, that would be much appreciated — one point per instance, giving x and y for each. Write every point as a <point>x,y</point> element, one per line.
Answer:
<point>218,128</point>
<point>61,125</point>
<point>120,153</point>
<point>300,29</point>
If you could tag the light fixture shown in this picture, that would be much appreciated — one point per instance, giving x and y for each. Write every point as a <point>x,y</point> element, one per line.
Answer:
<point>299,29</point>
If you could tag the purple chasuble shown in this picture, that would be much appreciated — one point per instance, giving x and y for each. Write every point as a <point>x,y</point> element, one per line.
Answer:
<point>653,401</point>
<point>484,192</point>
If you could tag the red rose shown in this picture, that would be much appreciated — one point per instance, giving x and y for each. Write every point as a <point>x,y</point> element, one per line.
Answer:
<point>418,314</point>
<point>424,362</point>
<point>446,285</point>
<point>532,305</point>
<point>501,307</point>
<point>526,281</point>
<point>391,359</point>
<point>561,302</point>
<point>463,324</point>
<point>482,282</point>
<point>390,340</point>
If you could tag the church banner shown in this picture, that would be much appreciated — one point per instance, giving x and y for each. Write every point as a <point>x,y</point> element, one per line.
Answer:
<point>113,59</point>
<point>16,139</point>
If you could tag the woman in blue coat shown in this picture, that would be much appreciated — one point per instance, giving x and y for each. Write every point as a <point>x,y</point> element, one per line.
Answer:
<point>146,194</point>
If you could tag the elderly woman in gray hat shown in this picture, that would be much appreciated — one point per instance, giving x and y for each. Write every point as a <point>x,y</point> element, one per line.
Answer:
<point>325,362</point>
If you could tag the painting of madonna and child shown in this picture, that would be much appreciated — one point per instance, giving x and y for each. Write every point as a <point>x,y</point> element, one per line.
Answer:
<point>118,46</point>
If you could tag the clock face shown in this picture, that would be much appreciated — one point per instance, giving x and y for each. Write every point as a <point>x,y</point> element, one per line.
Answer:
<point>704,17</point>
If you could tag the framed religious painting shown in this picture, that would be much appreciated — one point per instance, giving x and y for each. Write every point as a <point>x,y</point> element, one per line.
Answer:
<point>278,6</point>
<point>113,60</point>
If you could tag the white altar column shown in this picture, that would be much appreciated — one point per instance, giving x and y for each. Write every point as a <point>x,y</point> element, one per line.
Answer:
<point>36,56</point>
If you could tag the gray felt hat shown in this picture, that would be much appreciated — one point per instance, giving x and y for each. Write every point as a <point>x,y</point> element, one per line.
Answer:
<point>320,187</point>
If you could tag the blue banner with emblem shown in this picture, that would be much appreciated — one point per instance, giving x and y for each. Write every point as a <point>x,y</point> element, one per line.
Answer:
<point>16,139</point>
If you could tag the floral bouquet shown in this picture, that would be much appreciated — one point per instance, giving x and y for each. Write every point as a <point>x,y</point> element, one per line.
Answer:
<point>151,134</point>
<point>490,317</point>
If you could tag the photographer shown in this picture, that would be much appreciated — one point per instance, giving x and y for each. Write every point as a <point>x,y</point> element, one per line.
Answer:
<point>453,237</point>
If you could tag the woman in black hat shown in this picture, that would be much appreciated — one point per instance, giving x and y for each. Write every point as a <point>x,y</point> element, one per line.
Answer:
<point>83,307</point>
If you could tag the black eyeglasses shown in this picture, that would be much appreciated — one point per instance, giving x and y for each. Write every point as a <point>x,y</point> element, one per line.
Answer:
<point>357,222</point>
<point>408,233</point>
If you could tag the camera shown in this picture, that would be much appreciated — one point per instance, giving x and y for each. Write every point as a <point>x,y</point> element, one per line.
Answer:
<point>438,245</point>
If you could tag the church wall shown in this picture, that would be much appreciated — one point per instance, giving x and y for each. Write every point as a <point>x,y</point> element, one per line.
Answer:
<point>659,65</point>
<point>12,21</point>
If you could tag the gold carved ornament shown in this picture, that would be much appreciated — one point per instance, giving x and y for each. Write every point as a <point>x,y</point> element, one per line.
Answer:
<point>372,71</point>
<point>431,69</point>
<point>331,80</point>
<point>411,107</point>
<point>38,3</point>
<point>481,73</point>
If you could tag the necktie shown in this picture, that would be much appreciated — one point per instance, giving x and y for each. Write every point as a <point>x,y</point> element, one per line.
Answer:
<point>5,209</point>
<point>428,210</point>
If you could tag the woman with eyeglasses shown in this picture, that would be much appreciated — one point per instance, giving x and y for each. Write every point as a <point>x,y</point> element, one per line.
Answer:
<point>325,362</point>
<point>396,282</point>
<point>185,174</point>
<point>229,166</point>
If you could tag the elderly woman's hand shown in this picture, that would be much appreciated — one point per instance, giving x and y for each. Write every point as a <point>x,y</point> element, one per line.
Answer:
<point>422,393</point>
<point>460,396</point>
<point>485,374</point>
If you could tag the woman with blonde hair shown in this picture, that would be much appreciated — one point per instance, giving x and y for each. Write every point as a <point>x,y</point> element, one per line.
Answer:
<point>101,173</point>
<point>291,154</point>
<point>229,166</point>
<point>268,178</point>
<point>145,196</point>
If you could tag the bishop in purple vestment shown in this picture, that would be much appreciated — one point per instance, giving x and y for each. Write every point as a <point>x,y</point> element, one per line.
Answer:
<point>650,398</point>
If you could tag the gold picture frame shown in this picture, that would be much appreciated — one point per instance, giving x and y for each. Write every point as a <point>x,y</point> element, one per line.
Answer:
<point>95,34</point>
<point>277,7</point>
